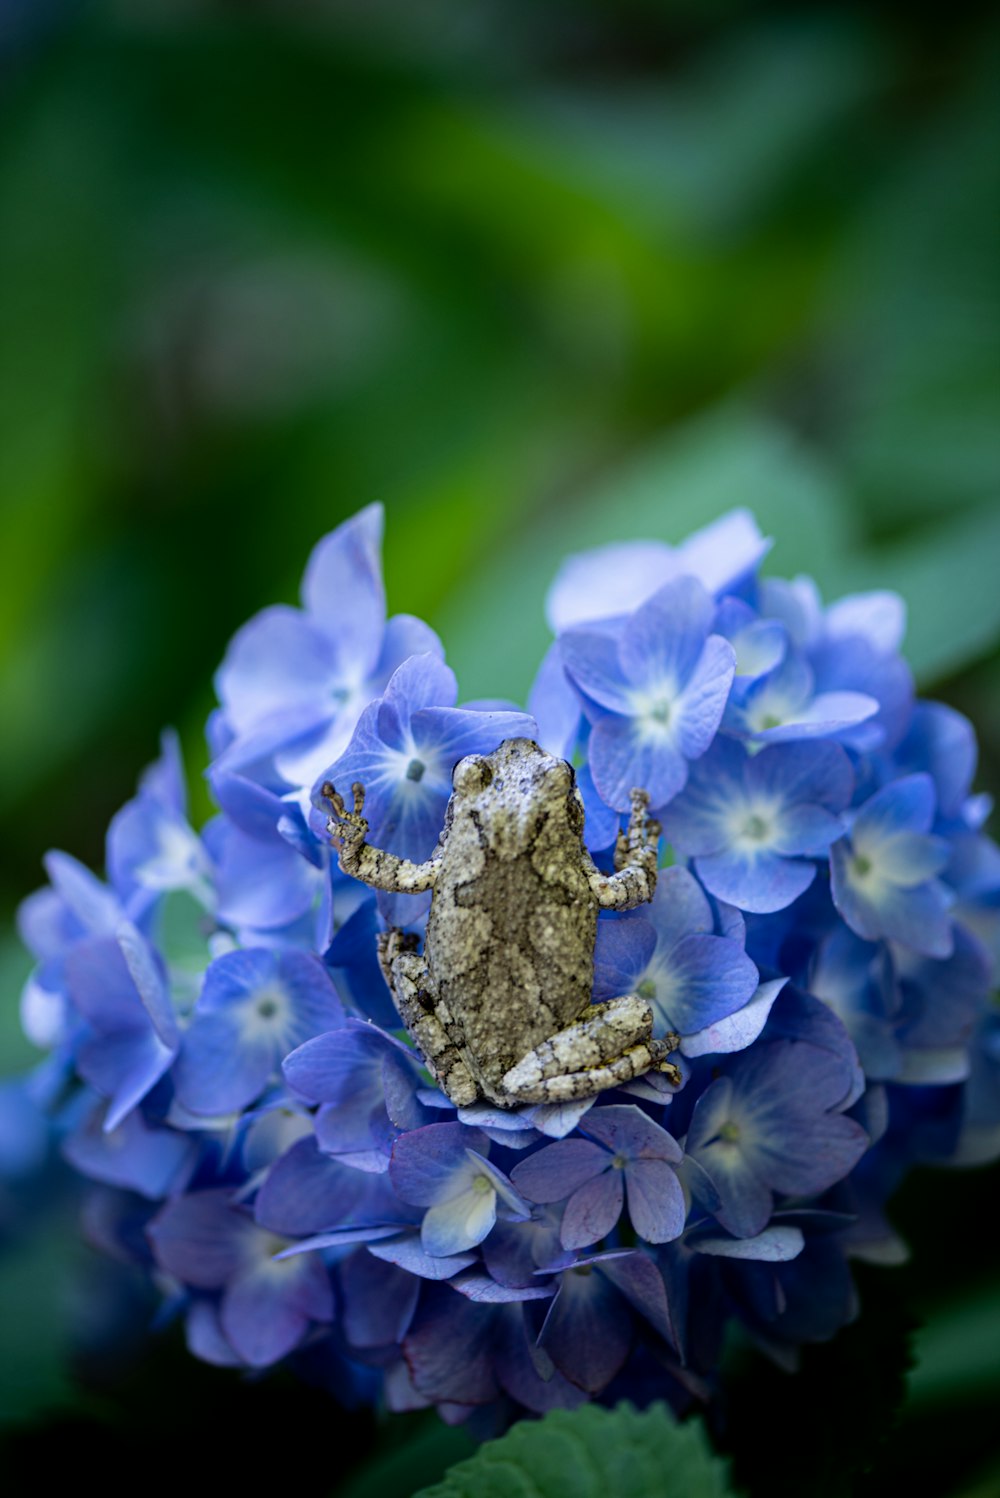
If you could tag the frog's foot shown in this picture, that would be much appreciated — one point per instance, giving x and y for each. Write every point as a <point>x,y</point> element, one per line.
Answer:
<point>390,944</point>
<point>612,1044</point>
<point>406,974</point>
<point>348,828</point>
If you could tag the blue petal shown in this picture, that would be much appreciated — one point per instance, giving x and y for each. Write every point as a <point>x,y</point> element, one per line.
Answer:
<point>803,774</point>
<point>622,954</point>
<point>342,590</point>
<point>607,581</point>
<point>590,657</point>
<point>662,642</point>
<point>420,682</point>
<point>736,1031</point>
<point>679,907</point>
<point>701,704</point>
<point>279,660</point>
<point>554,705</point>
<point>456,732</point>
<point>698,820</point>
<point>759,883</point>
<point>623,757</point>
<point>709,977</point>
<point>905,805</point>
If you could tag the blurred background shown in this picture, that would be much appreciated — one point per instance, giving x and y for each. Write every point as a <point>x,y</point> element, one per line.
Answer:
<point>536,276</point>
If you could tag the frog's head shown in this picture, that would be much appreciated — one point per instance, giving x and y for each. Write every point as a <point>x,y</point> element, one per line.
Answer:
<point>519,790</point>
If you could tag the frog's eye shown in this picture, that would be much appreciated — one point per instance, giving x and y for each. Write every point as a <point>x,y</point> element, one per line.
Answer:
<point>472,774</point>
<point>561,776</point>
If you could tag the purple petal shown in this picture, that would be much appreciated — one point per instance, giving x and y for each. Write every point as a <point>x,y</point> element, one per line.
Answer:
<point>259,1319</point>
<point>775,1245</point>
<point>407,1253</point>
<point>379,1300</point>
<point>202,1238</point>
<point>559,1169</point>
<point>586,1301</point>
<point>450,1348</point>
<point>627,1131</point>
<point>307,1191</point>
<point>458,1222</point>
<point>592,1210</point>
<point>427,1163</point>
<point>656,1202</point>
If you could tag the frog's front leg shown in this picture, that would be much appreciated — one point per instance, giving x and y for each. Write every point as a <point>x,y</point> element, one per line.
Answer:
<point>405,971</point>
<point>611,1044</point>
<point>372,865</point>
<point>634,880</point>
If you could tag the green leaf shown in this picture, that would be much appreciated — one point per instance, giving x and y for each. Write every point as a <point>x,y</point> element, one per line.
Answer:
<point>591,1453</point>
<point>35,1313</point>
<point>494,626</point>
<point>948,576</point>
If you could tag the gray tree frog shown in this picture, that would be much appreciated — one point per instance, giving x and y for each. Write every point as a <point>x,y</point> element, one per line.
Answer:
<point>499,1001</point>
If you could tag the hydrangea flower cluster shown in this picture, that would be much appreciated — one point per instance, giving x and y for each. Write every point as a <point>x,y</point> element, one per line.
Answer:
<point>257,1124</point>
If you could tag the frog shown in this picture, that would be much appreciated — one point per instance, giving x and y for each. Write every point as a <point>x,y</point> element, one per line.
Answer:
<point>499,1001</point>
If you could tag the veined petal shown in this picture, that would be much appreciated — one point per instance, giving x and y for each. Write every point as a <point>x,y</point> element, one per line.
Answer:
<point>342,590</point>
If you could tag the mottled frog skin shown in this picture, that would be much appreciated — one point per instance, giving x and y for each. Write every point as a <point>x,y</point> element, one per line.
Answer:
<point>499,1001</point>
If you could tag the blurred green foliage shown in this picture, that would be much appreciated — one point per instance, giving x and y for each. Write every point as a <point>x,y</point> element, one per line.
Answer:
<point>536,276</point>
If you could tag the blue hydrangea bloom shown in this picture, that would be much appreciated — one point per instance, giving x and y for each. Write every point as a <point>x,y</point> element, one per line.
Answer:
<point>667,952</point>
<point>654,690</point>
<point>404,750</point>
<point>229,1074</point>
<point>883,875</point>
<point>754,823</point>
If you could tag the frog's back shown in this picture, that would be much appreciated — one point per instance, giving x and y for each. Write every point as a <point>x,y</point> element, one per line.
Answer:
<point>510,945</point>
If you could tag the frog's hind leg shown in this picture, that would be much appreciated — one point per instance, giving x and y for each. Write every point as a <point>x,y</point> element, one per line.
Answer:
<point>405,971</point>
<point>612,1044</point>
